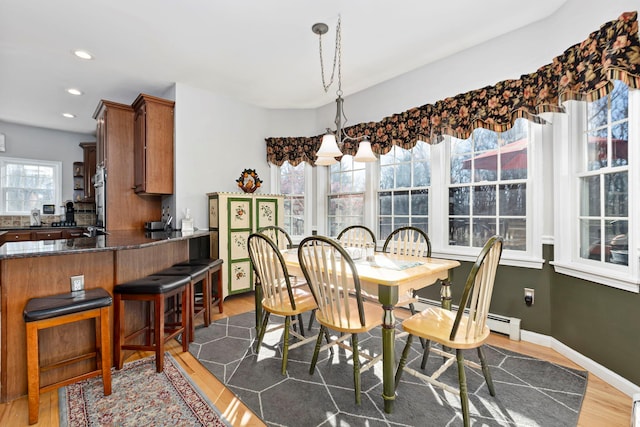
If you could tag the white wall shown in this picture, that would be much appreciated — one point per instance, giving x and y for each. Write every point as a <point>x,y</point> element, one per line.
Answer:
<point>46,144</point>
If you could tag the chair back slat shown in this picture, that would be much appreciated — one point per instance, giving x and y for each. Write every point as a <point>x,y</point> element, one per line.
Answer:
<point>356,236</point>
<point>278,235</point>
<point>332,278</point>
<point>271,270</point>
<point>476,296</point>
<point>408,240</point>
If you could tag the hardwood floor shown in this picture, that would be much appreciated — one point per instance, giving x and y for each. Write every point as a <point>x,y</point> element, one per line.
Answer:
<point>603,404</point>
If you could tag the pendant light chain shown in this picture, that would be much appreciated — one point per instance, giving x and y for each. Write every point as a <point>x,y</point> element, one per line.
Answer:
<point>337,60</point>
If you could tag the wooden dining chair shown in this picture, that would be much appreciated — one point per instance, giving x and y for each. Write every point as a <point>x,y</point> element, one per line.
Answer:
<point>356,236</point>
<point>410,241</point>
<point>334,282</point>
<point>459,331</point>
<point>278,296</point>
<point>283,241</point>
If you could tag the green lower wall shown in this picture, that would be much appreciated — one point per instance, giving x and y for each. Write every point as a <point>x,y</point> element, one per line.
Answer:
<point>597,321</point>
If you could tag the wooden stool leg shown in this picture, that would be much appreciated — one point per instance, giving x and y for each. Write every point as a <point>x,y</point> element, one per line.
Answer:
<point>118,327</point>
<point>158,329</point>
<point>206,298</point>
<point>191,331</point>
<point>220,299</point>
<point>105,350</point>
<point>187,321</point>
<point>33,368</point>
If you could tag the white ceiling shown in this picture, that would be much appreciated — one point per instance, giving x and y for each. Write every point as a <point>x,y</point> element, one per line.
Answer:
<point>258,51</point>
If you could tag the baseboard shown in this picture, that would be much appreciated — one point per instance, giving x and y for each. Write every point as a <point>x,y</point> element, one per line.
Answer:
<point>607,375</point>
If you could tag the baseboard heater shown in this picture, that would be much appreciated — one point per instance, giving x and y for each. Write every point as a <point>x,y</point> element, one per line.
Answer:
<point>497,323</point>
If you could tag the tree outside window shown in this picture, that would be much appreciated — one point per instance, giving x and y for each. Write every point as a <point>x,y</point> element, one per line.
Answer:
<point>346,196</point>
<point>292,182</point>
<point>604,194</point>
<point>28,184</point>
<point>403,196</point>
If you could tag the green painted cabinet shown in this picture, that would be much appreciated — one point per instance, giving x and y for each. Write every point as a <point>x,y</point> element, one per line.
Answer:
<point>232,218</point>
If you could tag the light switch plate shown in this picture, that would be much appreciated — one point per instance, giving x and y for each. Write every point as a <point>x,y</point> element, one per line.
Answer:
<point>2,143</point>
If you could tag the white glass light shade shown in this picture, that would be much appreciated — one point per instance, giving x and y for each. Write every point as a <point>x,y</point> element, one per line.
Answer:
<point>326,161</point>
<point>329,147</point>
<point>365,154</point>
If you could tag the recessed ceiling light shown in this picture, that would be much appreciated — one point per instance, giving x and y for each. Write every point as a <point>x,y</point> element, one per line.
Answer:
<point>68,115</point>
<point>74,91</point>
<point>83,54</point>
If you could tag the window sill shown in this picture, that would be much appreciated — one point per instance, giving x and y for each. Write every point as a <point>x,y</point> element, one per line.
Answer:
<point>508,258</point>
<point>610,278</point>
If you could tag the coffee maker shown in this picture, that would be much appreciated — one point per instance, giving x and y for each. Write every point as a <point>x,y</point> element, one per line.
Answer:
<point>69,214</point>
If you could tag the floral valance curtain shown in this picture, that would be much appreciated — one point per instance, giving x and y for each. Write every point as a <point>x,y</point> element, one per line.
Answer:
<point>583,72</point>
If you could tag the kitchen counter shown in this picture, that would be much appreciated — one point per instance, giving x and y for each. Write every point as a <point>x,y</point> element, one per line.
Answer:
<point>115,240</point>
<point>30,269</point>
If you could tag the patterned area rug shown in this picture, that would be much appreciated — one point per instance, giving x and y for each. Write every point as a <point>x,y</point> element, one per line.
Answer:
<point>529,391</point>
<point>140,397</point>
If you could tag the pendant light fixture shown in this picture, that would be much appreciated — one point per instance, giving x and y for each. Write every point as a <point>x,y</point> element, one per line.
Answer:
<point>333,141</point>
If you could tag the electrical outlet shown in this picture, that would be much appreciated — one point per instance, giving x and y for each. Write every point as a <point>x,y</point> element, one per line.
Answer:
<point>529,296</point>
<point>77,283</point>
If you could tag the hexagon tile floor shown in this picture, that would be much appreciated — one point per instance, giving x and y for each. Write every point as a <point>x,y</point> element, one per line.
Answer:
<point>529,391</point>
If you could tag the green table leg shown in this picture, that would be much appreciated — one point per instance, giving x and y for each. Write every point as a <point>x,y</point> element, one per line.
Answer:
<point>388,297</point>
<point>445,292</point>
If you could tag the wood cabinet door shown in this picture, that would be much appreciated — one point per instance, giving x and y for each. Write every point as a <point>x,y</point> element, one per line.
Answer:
<point>153,145</point>
<point>139,149</point>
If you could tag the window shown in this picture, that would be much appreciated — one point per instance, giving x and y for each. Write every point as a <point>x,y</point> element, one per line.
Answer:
<point>346,197</point>
<point>604,180</point>
<point>403,195</point>
<point>596,180</point>
<point>487,189</point>
<point>28,184</point>
<point>292,185</point>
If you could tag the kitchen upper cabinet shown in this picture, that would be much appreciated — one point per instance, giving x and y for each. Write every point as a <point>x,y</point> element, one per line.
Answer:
<point>125,210</point>
<point>153,145</point>
<point>89,159</point>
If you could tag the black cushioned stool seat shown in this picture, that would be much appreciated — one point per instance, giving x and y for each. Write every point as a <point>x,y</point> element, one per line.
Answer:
<point>55,310</point>
<point>155,290</point>
<point>197,273</point>
<point>208,299</point>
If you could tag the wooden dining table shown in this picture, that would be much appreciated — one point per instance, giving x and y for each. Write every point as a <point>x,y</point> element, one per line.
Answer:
<point>388,277</point>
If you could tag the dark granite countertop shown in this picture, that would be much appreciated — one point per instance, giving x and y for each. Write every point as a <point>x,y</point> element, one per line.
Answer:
<point>115,240</point>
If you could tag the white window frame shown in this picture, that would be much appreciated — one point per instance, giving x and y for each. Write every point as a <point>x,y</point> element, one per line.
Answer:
<point>439,200</point>
<point>394,190</point>
<point>570,128</point>
<point>308,197</point>
<point>57,177</point>
<point>370,212</point>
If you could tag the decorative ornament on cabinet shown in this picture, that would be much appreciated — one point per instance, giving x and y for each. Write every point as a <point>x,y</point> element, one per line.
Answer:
<point>249,181</point>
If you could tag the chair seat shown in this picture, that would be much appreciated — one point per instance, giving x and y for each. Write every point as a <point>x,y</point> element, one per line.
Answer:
<point>436,323</point>
<point>303,298</point>
<point>193,270</point>
<point>373,316</point>
<point>152,285</point>
<point>62,304</point>
<point>210,262</point>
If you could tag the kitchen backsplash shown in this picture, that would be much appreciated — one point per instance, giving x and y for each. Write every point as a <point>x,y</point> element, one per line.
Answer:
<point>84,215</point>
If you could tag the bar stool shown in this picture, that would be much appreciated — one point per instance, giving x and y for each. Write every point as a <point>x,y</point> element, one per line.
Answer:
<point>215,266</point>
<point>155,290</point>
<point>197,273</point>
<point>47,312</point>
